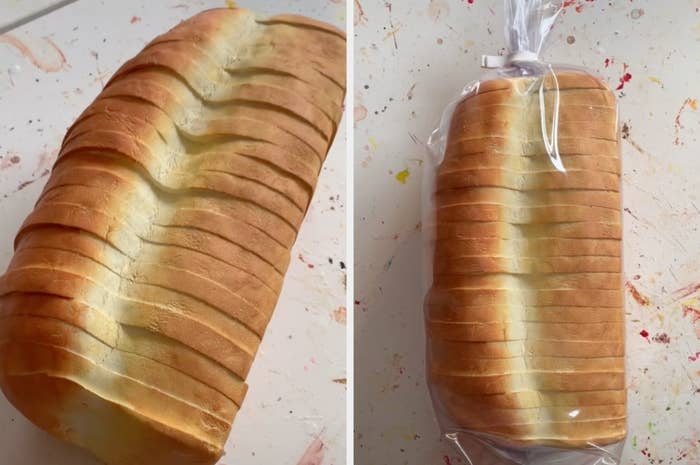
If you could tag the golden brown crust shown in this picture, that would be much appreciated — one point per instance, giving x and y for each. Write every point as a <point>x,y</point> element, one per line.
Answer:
<point>440,309</point>
<point>525,319</point>
<point>144,279</point>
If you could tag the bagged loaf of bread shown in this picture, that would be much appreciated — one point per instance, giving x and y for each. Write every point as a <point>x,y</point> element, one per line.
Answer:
<point>524,299</point>
<point>144,279</point>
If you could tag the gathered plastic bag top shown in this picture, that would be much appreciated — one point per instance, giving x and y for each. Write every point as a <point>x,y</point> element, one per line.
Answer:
<point>521,71</point>
<point>523,260</point>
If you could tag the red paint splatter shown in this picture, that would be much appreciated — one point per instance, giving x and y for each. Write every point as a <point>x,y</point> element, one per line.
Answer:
<point>636,295</point>
<point>694,312</point>
<point>661,338</point>
<point>577,4</point>
<point>447,460</point>
<point>26,52</point>
<point>695,318</point>
<point>645,334</point>
<point>694,358</point>
<point>626,77</point>
<point>471,2</point>
<point>677,125</point>
<point>135,19</point>
<point>608,62</point>
<point>309,265</point>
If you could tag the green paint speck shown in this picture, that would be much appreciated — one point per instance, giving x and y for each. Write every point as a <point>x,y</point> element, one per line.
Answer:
<point>634,441</point>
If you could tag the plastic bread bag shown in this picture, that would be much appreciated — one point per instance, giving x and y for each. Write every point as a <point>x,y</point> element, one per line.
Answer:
<point>524,303</point>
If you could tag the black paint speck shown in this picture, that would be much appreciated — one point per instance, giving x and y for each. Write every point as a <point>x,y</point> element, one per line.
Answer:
<point>342,265</point>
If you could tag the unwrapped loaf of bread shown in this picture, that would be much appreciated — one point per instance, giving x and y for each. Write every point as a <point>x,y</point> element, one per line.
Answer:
<point>525,319</point>
<point>144,279</point>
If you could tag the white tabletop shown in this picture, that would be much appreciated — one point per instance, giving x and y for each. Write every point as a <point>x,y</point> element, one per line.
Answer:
<point>50,70</point>
<point>412,57</point>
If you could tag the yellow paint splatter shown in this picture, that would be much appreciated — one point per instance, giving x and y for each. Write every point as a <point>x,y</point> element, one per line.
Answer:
<point>693,103</point>
<point>655,80</point>
<point>392,33</point>
<point>372,142</point>
<point>402,176</point>
<point>231,4</point>
<point>673,168</point>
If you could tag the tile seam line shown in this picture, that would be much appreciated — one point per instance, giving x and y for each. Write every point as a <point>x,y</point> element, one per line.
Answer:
<point>34,16</point>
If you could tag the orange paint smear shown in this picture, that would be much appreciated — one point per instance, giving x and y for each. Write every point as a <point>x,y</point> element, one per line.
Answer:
<point>686,291</point>
<point>26,52</point>
<point>340,315</point>
<point>677,124</point>
<point>314,453</point>
<point>360,17</point>
<point>360,113</point>
<point>636,295</point>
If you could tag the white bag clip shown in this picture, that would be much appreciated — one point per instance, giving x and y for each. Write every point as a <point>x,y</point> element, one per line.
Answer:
<point>499,61</point>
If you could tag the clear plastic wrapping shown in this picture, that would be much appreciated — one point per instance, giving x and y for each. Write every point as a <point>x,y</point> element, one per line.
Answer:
<point>523,260</point>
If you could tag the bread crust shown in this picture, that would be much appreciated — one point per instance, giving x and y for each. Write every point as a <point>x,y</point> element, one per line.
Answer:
<point>144,279</point>
<point>525,317</point>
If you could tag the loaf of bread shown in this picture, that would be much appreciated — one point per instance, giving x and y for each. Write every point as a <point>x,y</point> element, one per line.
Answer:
<point>143,281</point>
<point>525,319</point>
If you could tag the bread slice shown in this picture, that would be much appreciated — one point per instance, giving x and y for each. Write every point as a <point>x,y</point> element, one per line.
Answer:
<point>525,320</point>
<point>144,279</point>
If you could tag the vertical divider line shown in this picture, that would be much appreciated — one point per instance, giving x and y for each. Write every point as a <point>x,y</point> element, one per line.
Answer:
<point>349,234</point>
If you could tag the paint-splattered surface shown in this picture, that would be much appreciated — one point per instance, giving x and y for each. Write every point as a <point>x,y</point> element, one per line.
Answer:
<point>412,57</point>
<point>50,70</point>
